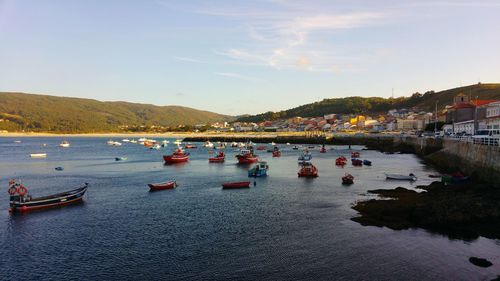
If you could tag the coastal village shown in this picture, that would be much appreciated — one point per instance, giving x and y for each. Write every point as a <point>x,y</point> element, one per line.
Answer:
<point>464,117</point>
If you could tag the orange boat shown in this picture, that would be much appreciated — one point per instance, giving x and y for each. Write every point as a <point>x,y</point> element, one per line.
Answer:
<point>341,161</point>
<point>163,185</point>
<point>218,159</point>
<point>177,157</point>
<point>308,170</point>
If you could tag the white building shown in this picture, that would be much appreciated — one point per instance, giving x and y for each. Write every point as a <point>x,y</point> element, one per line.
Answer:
<point>464,127</point>
<point>492,120</point>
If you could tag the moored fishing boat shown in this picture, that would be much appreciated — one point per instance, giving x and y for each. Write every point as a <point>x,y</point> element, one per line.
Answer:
<point>21,201</point>
<point>322,149</point>
<point>246,156</point>
<point>120,158</point>
<point>162,185</point>
<point>261,147</point>
<point>410,177</point>
<point>305,156</point>
<point>259,170</point>
<point>276,152</point>
<point>367,162</point>
<point>347,179</point>
<point>208,144</point>
<point>355,154</point>
<point>178,156</point>
<point>308,170</point>
<point>38,155</point>
<point>221,157</point>
<point>155,146</point>
<point>341,161</point>
<point>242,184</point>
<point>357,162</point>
<point>64,144</point>
<point>125,140</point>
<point>190,146</point>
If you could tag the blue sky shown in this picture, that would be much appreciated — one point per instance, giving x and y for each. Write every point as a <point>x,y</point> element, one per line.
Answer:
<point>237,57</point>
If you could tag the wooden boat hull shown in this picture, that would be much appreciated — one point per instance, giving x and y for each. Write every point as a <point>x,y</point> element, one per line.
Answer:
<point>162,186</point>
<point>216,160</point>
<point>230,185</point>
<point>169,159</point>
<point>51,201</point>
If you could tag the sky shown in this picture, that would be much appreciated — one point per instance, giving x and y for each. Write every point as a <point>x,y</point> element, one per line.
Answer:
<point>245,57</point>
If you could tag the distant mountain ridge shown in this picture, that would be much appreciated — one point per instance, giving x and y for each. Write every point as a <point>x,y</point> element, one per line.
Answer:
<point>43,113</point>
<point>377,105</point>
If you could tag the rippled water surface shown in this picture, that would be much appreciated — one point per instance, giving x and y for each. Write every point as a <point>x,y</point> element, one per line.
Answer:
<point>283,228</point>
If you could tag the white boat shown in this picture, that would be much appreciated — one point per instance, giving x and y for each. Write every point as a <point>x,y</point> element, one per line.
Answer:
<point>38,155</point>
<point>178,142</point>
<point>133,141</point>
<point>410,177</point>
<point>64,144</point>
<point>125,140</point>
<point>114,143</point>
<point>234,144</point>
<point>208,144</point>
<point>17,141</point>
<point>165,142</point>
<point>272,143</point>
<point>155,146</point>
<point>142,139</point>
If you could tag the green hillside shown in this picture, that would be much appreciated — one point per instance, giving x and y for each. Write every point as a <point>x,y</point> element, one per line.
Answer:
<point>375,105</point>
<point>42,113</point>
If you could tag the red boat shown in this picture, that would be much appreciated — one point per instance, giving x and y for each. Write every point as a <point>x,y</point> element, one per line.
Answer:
<point>217,159</point>
<point>322,149</point>
<point>355,154</point>
<point>247,157</point>
<point>308,170</point>
<point>261,147</point>
<point>347,179</point>
<point>189,146</point>
<point>341,161</point>
<point>243,184</point>
<point>162,185</point>
<point>357,162</point>
<point>276,153</point>
<point>21,201</point>
<point>177,157</point>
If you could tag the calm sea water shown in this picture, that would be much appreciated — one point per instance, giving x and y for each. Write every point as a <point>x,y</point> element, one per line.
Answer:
<point>284,228</point>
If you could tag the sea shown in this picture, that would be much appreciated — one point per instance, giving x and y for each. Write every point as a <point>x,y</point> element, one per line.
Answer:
<point>281,228</point>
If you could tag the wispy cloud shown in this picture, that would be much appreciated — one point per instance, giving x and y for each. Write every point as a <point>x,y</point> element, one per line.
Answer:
<point>237,75</point>
<point>186,59</point>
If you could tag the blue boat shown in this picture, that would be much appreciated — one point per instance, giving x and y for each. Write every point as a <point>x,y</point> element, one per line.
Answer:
<point>305,156</point>
<point>367,162</point>
<point>259,170</point>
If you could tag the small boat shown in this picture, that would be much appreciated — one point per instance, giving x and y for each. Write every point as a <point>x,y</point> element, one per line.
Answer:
<point>189,146</point>
<point>125,140</point>
<point>143,139</point>
<point>305,156</point>
<point>308,170</point>
<point>295,147</point>
<point>410,177</point>
<point>261,147</point>
<point>133,141</point>
<point>259,170</point>
<point>355,154</point>
<point>177,157</point>
<point>246,156</point>
<point>234,144</point>
<point>322,149</point>
<point>457,177</point>
<point>59,168</point>
<point>120,158</point>
<point>435,176</point>
<point>341,161</point>
<point>311,147</point>
<point>64,144</point>
<point>162,185</point>
<point>276,152</point>
<point>347,179</point>
<point>165,142</point>
<point>287,143</point>
<point>208,144</point>
<point>221,157</point>
<point>155,146</point>
<point>38,155</point>
<point>273,143</point>
<point>178,142</point>
<point>17,141</point>
<point>357,162</point>
<point>243,184</point>
<point>114,143</point>
<point>21,201</point>
<point>367,162</point>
